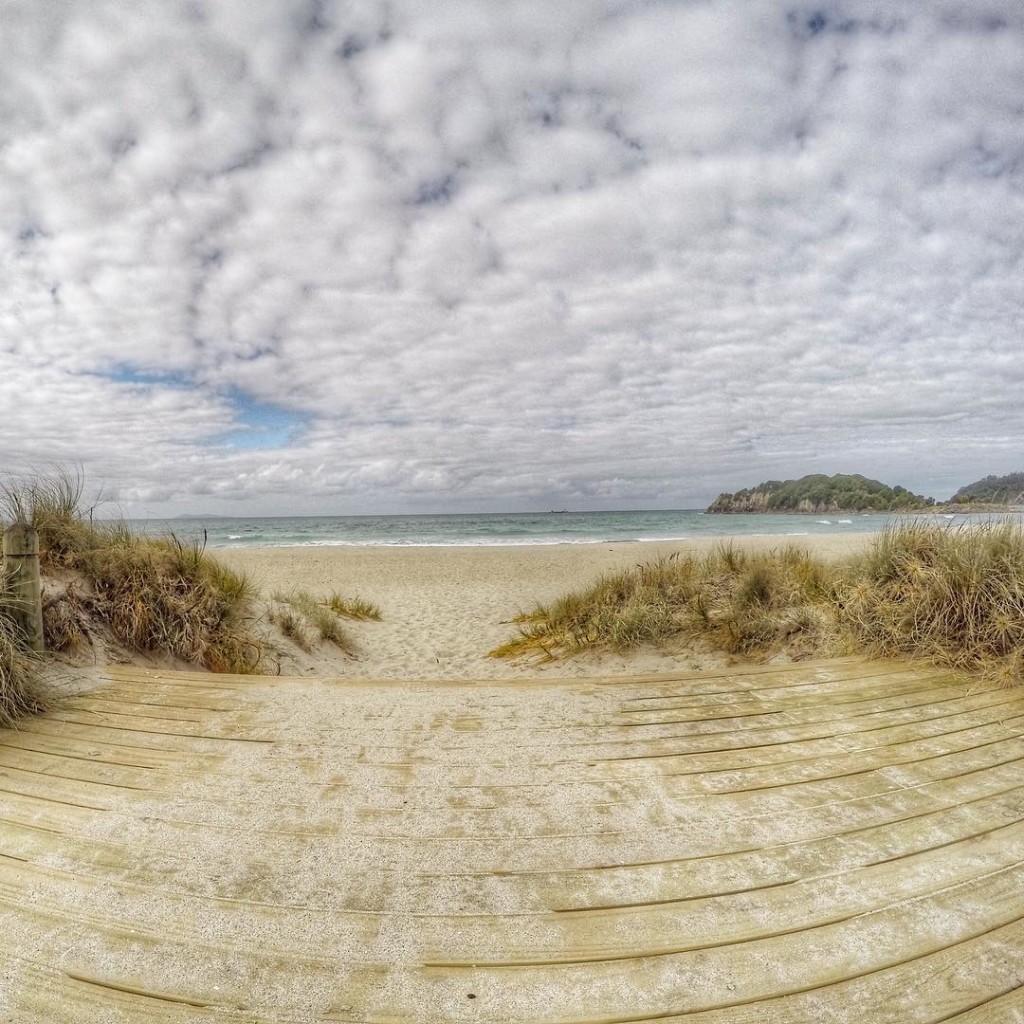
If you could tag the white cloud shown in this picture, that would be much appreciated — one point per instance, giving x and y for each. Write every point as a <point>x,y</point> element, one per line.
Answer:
<point>604,252</point>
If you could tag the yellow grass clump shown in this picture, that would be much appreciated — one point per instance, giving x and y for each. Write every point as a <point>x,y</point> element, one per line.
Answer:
<point>169,596</point>
<point>740,602</point>
<point>316,616</point>
<point>18,695</point>
<point>952,596</point>
<point>157,595</point>
<point>353,607</point>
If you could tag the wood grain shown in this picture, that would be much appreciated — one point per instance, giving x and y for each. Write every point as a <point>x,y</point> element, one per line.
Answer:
<point>832,841</point>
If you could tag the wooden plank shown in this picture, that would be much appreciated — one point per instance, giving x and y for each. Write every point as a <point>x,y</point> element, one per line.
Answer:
<point>830,841</point>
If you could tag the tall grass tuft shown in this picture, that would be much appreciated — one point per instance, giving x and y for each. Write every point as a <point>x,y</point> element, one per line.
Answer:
<point>729,599</point>
<point>353,607</point>
<point>18,696</point>
<point>954,596</point>
<point>51,503</point>
<point>293,626</point>
<point>320,617</point>
<point>169,596</point>
<point>157,595</point>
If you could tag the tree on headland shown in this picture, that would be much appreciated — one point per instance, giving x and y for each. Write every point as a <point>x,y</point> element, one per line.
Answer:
<point>993,490</point>
<point>818,493</point>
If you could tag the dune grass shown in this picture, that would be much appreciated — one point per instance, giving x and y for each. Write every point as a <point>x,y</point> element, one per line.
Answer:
<point>293,625</point>
<point>353,607</point>
<point>952,596</point>
<point>728,599</point>
<point>955,597</point>
<point>53,504</point>
<point>18,694</point>
<point>65,619</point>
<point>319,617</point>
<point>170,596</point>
<point>303,617</point>
<point>157,595</point>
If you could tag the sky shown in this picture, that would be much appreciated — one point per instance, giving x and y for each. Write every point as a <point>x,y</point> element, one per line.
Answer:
<point>322,257</point>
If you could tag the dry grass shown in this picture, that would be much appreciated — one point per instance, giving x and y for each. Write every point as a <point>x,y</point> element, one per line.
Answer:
<point>953,597</point>
<point>294,626</point>
<point>161,596</point>
<point>171,597</point>
<point>52,503</point>
<point>353,608</point>
<point>729,599</point>
<point>65,621</point>
<point>18,696</point>
<point>319,617</point>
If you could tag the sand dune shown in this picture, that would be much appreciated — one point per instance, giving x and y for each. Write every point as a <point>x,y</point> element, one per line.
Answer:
<point>444,608</point>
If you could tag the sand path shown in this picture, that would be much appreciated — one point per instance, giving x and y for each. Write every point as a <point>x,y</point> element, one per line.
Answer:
<point>444,608</point>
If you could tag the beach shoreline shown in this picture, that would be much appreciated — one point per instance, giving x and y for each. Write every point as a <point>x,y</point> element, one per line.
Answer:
<point>445,607</point>
<point>513,529</point>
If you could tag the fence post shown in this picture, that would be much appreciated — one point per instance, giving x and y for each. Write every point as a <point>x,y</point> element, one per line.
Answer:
<point>21,567</point>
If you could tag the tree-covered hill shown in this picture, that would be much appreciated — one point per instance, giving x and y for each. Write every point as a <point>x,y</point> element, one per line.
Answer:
<point>993,490</point>
<point>819,493</point>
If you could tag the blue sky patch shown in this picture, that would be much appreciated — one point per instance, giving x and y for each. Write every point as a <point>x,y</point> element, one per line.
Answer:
<point>260,424</point>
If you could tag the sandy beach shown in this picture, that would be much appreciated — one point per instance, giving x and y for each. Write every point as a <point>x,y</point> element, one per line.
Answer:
<point>444,608</point>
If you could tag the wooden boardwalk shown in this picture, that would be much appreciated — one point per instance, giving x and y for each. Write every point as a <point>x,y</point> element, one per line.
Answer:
<point>837,841</point>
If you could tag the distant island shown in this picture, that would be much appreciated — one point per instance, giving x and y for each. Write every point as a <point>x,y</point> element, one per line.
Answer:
<point>992,490</point>
<point>819,494</point>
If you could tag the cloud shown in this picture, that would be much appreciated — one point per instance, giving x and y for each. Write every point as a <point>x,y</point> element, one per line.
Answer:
<point>301,257</point>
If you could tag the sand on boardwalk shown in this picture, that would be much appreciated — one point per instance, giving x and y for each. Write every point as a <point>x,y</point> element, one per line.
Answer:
<point>444,608</point>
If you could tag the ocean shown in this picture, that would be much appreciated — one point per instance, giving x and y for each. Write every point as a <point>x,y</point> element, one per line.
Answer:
<point>503,529</point>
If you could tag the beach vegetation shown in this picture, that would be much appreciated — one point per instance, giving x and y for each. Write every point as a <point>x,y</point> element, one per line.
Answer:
<point>157,595</point>
<point>732,600</point>
<point>353,608</point>
<point>293,625</point>
<point>171,597</point>
<point>66,621</point>
<point>318,616</point>
<point>952,596</point>
<point>53,503</point>
<point>19,692</point>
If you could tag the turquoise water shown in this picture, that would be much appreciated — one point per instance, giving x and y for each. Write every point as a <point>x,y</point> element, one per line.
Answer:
<point>500,529</point>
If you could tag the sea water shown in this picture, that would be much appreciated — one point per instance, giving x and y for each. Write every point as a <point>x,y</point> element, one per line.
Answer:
<point>512,528</point>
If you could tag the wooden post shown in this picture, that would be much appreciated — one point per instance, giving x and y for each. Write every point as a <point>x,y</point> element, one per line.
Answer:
<point>21,567</point>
